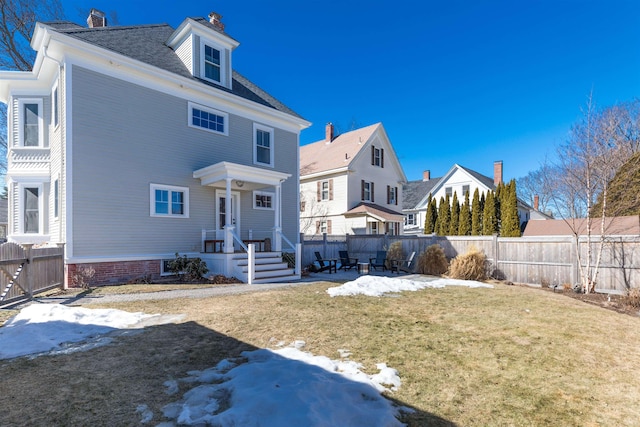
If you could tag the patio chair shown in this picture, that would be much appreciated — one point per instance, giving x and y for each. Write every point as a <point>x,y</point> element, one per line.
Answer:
<point>346,262</point>
<point>380,260</point>
<point>326,264</point>
<point>405,265</point>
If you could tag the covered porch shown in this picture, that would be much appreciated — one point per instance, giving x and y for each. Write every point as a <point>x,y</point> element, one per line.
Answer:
<point>223,246</point>
<point>377,219</point>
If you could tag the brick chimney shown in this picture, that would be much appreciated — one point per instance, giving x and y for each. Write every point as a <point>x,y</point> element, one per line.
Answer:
<point>216,20</point>
<point>96,19</point>
<point>328,132</point>
<point>536,202</point>
<point>497,172</point>
<point>426,175</point>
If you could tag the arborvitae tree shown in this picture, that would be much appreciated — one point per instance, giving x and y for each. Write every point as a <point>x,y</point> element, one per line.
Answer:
<point>498,202</point>
<point>455,216</point>
<point>464,225</point>
<point>432,211</point>
<point>483,199</point>
<point>476,214</point>
<point>489,219</point>
<point>430,216</point>
<point>444,216</point>
<point>510,221</point>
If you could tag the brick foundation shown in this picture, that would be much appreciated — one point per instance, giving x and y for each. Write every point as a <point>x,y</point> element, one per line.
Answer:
<point>109,273</point>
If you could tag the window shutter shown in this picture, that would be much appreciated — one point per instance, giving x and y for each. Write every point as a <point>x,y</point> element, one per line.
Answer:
<point>382,157</point>
<point>388,194</point>
<point>317,227</point>
<point>331,189</point>
<point>362,190</point>
<point>328,226</point>
<point>372,193</point>
<point>319,196</point>
<point>373,155</point>
<point>397,195</point>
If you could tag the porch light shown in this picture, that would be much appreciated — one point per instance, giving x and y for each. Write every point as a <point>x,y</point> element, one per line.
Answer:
<point>239,183</point>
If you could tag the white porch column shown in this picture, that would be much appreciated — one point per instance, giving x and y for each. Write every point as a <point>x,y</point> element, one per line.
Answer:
<point>228,229</point>
<point>277,220</point>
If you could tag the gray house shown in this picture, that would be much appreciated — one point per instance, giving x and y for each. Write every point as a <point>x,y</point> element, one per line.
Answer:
<point>131,144</point>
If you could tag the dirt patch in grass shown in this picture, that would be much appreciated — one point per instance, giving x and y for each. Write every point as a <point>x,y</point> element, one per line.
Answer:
<point>474,357</point>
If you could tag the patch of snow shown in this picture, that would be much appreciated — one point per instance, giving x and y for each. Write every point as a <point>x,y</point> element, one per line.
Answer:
<point>377,286</point>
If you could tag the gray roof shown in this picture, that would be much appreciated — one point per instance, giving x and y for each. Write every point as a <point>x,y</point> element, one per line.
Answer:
<point>414,191</point>
<point>482,178</point>
<point>147,43</point>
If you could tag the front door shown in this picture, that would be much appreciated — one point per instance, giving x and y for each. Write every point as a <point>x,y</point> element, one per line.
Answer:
<point>221,215</point>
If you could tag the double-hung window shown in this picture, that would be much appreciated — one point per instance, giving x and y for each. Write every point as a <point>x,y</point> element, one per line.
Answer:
<point>324,190</point>
<point>410,219</point>
<point>31,211</point>
<point>208,119</point>
<point>392,193</point>
<point>169,201</point>
<point>262,145</point>
<point>31,131</point>
<point>212,64</point>
<point>367,191</point>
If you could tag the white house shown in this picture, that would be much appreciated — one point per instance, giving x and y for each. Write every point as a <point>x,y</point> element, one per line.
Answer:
<point>459,180</point>
<point>351,184</point>
<point>130,144</point>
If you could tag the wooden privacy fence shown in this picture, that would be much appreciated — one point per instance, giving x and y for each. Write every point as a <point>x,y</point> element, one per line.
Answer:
<point>26,271</point>
<point>534,260</point>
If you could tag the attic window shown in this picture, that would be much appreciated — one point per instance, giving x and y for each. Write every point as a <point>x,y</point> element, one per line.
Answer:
<point>211,63</point>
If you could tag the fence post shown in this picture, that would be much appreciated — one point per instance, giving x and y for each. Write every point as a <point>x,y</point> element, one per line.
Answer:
<point>251,262</point>
<point>65,285</point>
<point>324,244</point>
<point>298,268</point>
<point>24,275</point>
<point>496,251</point>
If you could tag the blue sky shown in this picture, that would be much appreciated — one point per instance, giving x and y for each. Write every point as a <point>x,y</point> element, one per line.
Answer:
<point>466,82</point>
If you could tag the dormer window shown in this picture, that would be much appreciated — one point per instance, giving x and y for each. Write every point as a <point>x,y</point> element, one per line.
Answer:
<point>211,63</point>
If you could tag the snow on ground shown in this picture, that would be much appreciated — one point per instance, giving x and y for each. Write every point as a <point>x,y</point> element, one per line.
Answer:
<point>286,386</point>
<point>376,286</point>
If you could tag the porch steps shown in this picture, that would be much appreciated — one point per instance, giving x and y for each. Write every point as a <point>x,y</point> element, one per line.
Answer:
<point>269,268</point>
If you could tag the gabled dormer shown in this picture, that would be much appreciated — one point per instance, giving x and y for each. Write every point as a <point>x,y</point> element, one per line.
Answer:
<point>205,49</point>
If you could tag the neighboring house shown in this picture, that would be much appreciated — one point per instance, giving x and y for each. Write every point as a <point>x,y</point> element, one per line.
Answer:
<point>131,144</point>
<point>351,184</point>
<point>614,226</point>
<point>459,180</point>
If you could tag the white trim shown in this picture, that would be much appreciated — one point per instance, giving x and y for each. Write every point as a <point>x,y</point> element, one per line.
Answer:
<point>55,106</point>
<point>21,119</point>
<point>224,71</point>
<point>170,189</point>
<point>258,127</point>
<point>22,186</point>
<point>225,116</point>
<point>267,194</point>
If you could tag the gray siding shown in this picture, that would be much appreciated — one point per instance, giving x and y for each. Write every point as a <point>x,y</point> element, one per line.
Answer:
<point>118,152</point>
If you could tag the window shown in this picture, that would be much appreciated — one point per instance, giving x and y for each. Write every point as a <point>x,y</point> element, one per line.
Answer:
<point>465,190</point>
<point>31,123</point>
<point>373,228</point>
<point>325,190</point>
<point>262,145</point>
<point>31,210</point>
<point>303,206</point>
<point>55,116</point>
<point>169,201</point>
<point>56,198</point>
<point>212,64</point>
<point>262,200</point>
<point>367,191</point>
<point>410,219</point>
<point>377,156</point>
<point>208,119</point>
<point>448,191</point>
<point>392,195</point>
<point>323,227</point>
